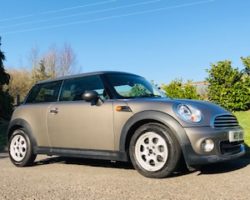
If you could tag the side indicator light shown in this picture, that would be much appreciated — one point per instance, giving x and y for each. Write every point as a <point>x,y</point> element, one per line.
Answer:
<point>123,109</point>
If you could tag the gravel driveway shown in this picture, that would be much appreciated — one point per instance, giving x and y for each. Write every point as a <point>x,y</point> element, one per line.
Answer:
<point>60,178</point>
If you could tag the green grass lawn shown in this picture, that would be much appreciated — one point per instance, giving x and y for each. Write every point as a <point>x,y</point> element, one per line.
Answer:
<point>244,120</point>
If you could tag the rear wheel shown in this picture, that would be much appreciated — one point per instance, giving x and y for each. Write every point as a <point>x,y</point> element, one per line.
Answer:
<point>20,149</point>
<point>154,150</point>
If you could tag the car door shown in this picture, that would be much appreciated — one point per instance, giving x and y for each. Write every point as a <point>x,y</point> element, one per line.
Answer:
<point>76,124</point>
<point>36,107</point>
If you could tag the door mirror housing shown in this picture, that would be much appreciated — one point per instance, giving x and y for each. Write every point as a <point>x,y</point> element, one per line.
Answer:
<point>91,96</point>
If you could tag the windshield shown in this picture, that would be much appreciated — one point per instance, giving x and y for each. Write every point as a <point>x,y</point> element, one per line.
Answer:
<point>132,86</point>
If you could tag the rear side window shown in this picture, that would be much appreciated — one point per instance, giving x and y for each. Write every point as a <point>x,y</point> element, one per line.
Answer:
<point>45,92</point>
<point>73,89</point>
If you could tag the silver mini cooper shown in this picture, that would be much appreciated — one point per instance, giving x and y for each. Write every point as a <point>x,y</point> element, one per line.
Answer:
<point>121,116</point>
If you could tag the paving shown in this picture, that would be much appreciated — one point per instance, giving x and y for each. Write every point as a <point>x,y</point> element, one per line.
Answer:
<point>64,178</point>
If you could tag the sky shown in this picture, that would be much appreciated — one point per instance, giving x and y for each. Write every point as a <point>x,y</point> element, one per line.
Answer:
<point>161,40</point>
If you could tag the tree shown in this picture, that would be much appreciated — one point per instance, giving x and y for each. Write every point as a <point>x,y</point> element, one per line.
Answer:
<point>4,77</point>
<point>67,60</point>
<point>50,59</point>
<point>246,63</point>
<point>138,90</point>
<point>20,83</point>
<point>59,62</point>
<point>178,89</point>
<point>34,57</point>
<point>246,78</point>
<point>39,73</point>
<point>229,86</point>
<point>56,62</point>
<point>5,98</point>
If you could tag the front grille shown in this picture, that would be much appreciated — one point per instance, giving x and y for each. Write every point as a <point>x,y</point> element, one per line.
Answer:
<point>225,121</point>
<point>230,148</point>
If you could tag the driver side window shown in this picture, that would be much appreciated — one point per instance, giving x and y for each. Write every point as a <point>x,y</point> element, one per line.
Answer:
<point>73,89</point>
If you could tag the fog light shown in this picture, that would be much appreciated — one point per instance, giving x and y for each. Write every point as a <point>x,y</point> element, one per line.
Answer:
<point>207,145</point>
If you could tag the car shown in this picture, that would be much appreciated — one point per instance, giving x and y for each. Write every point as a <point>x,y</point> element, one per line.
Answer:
<point>121,116</point>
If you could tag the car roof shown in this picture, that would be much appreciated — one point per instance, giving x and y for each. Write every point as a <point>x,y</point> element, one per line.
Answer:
<point>84,74</point>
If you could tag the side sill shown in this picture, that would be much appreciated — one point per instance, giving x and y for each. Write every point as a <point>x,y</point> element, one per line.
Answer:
<point>83,153</point>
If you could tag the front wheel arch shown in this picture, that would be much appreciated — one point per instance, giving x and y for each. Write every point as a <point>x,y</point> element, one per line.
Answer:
<point>144,117</point>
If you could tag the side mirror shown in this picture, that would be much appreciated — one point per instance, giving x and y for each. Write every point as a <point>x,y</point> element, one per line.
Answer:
<point>90,96</point>
<point>93,97</point>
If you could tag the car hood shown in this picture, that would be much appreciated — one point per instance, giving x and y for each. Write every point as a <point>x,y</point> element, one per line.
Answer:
<point>209,110</point>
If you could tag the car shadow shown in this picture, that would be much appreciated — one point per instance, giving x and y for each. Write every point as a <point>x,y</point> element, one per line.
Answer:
<point>247,148</point>
<point>84,161</point>
<point>219,168</point>
<point>227,166</point>
<point>100,163</point>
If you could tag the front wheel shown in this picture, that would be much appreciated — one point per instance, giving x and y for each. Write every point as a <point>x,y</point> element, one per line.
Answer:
<point>154,150</point>
<point>20,149</point>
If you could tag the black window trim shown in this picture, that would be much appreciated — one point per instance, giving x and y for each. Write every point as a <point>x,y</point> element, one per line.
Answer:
<point>105,85</point>
<point>113,95</point>
<point>59,93</point>
<point>37,84</point>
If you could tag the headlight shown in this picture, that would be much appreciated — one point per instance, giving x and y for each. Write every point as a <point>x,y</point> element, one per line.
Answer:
<point>189,113</point>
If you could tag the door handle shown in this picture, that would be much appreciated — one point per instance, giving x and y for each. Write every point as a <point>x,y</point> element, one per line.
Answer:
<point>53,110</point>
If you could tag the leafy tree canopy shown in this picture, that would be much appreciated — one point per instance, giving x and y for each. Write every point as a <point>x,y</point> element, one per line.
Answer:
<point>178,89</point>
<point>229,86</point>
<point>39,73</point>
<point>5,98</point>
<point>4,77</point>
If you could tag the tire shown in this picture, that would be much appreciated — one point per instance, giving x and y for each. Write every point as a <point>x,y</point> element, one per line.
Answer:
<point>154,151</point>
<point>21,149</point>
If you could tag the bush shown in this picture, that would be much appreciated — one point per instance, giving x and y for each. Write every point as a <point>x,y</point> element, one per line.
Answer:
<point>5,99</point>
<point>178,89</point>
<point>6,107</point>
<point>228,86</point>
<point>3,134</point>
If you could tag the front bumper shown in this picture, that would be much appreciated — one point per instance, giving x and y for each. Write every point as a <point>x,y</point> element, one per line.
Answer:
<point>223,149</point>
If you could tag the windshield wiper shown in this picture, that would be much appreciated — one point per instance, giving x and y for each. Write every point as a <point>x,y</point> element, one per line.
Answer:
<point>150,95</point>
